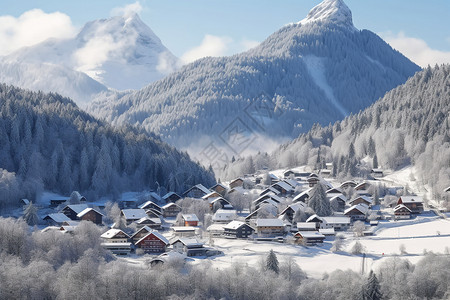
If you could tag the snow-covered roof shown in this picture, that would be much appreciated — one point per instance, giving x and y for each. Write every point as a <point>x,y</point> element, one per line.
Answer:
<point>349,182</point>
<point>224,214</point>
<point>71,223</point>
<point>166,196</point>
<point>190,217</point>
<point>302,194</point>
<point>57,217</point>
<point>269,223</point>
<point>365,198</point>
<point>115,245</point>
<point>148,203</point>
<point>77,208</point>
<point>447,189</point>
<point>85,211</point>
<point>214,200</point>
<point>400,206</point>
<point>273,176</point>
<point>146,228</point>
<point>306,225</point>
<point>310,234</point>
<point>269,189</point>
<point>134,213</point>
<point>360,207</point>
<point>157,235</point>
<point>295,206</point>
<point>169,205</point>
<point>155,196</point>
<point>327,231</point>
<point>154,220</point>
<point>269,196</point>
<point>293,183</point>
<point>202,188</point>
<point>411,199</point>
<point>334,191</point>
<point>110,234</point>
<point>341,196</point>
<point>336,220</point>
<point>215,227</point>
<point>183,228</point>
<point>218,184</point>
<point>188,242</point>
<point>212,194</point>
<point>284,185</point>
<point>25,201</point>
<point>234,225</point>
<point>311,218</point>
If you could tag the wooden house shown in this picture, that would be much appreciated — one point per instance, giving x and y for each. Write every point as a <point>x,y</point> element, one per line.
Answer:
<point>188,246</point>
<point>150,205</point>
<point>215,229</point>
<point>348,184</point>
<point>153,223</point>
<point>171,197</point>
<point>283,187</point>
<point>269,227</point>
<point>273,179</point>
<point>270,196</point>
<point>115,236</point>
<point>190,220</point>
<point>133,214</point>
<point>90,214</point>
<point>312,180</point>
<point>183,231</point>
<point>306,226</point>
<point>362,186</point>
<point>333,192</point>
<point>171,210</point>
<point>269,190</point>
<point>153,213</point>
<point>309,238</point>
<point>197,191</point>
<point>153,242</point>
<point>288,173</point>
<point>290,211</point>
<point>219,188</point>
<point>140,233</point>
<point>361,200</point>
<point>221,202</point>
<point>73,210</point>
<point>211,195</point>
<point>293,183</point>
<point>337,223</point>
<point>56,219</point>
<point>357,212</point>
<point>402,212</point>
<point>414,203</point>
<point>128,203</point>
<point>303,196</point>
<point>238,182</point>
<point>237,229</point>
<point>315,219</point>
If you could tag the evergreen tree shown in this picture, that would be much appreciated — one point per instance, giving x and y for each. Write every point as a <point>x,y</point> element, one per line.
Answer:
<point>318,200</point>
<point>30,214</point>
<point>375,161</point>
<point>272,262</point>
<point>371,289</point>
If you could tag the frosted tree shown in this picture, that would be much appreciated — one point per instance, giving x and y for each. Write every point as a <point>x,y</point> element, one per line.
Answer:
<point>318,200</point>
<point>358,228</point>
<point>371,288</point>
<point>338,243</point>
<point>30,214</point>
<point>272,262</point>
<point>357,248</point>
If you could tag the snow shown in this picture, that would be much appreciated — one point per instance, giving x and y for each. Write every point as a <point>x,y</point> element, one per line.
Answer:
<point>330,11</point>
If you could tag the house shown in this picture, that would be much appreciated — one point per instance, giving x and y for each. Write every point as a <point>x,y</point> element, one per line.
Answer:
<point>402,212</point>
<point>56,219</point>
<point>221,202</point>
<point>376,173</point>
<point>269,227</point>
<point>73,210</point>
<point>153,213</point>
<point>197,191</point>
<point>213,194</point>
<point>143,231</point>
<point>171,197</point>
<point>24,202</point>
<point>269,190</point>
<point>183,231</point>
<point>55,202</point>
<point>238,182</point>
<point>315,219</point>
<point>153,223</point>
<point>224,216</point>
<point>215,229</point>
<point>219,188</point>
<point>290,211</point>
<point>293,183</point>
<point>312,180</point>
<point>337,223</point>
<point>171,210</point>
<point>348,184</point>
<point>325,172</point>
<point>357,212</point>
<point>190,219</point>
<point>270,196</point>
<point>115,236</point>
<point>150,205</point>
<point>188,246</point>
<point>90,214</point>
<point>303,196</point>
<point>167,257</point>
<point>334,191</point>
<point>153,242</point>
<point>306,226</point>
<point>327,231</point>
<point>133,214</point>
<point>340,201</point>
<point>309,238</point>
<point>414,203</point>
<point>237,229</point>
<point>273,179</point>
<point>361,199</point>
<point>362,186</point>
<point>283,187</point>
<point>288,173</point>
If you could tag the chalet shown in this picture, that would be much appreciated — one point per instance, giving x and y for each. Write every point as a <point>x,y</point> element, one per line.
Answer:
<point>334,191</point>
<point>150,205</point>
<point>290,211</point>
<point>171,210</point>
<point>153,213</point>
<point>115,236</point>
<point>140,234</point>
<point>237,229</point>
<point>293,183</point>
<point>325,172</point>
<point>340,200</point>
<point>56,219</point>
<point>73,210</point>
<point>153,242</point>
<point>361,200</point>
<point>414,203</point>
<point>188,246</point>
<point>376,173</point>
<point>190,219</point>
<point>288,173</point>
<point>269,227</point>
<point>402,212</point>
<point>283,187</point>
<point>303,196</point>
<point>309,238</point>
<point>133,214</point>
<point>211,195</point>
<point>197,191</point>
<point>90,214</point>
<point>337,223</point>
<point>171,197</point>
<point>222,202</point>
<point>362,186</point>
<point>357,212</point>
<point>269,190</point>
<point>224,216</point>
<point>315,219</point>
<point>238,182</point>
<point>306,226</point>
<point>270,196</point>
<point>219,188</point>
<point>273,179</point>
<point>153,223</point>
<point>327,231</point>
<point>215,229</point>
<point>55,202</point>
<point>348,184</point>
<point>183,231</point>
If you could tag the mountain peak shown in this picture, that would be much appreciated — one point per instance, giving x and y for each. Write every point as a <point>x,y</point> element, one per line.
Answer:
<point>335,11</point>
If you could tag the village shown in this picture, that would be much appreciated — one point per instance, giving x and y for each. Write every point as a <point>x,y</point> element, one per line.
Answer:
<point>261,208</point>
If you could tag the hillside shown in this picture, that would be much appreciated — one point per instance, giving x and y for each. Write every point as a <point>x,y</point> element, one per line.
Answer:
<point>315,71</point>
<point>49,143</point>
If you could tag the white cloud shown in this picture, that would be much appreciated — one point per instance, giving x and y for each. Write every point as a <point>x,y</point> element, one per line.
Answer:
<point>127,10</point>
<point>32,27</point>
<point>211,46</point>
<point>248,44</point>
<point>416,49</point>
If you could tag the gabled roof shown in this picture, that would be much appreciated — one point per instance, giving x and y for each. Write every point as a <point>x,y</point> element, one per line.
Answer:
<point>169,205</point>
<point>273,176</point>
<point>269,223</point>
<point>306,225</point>
<point>349,182</point>
<point>110,234</point>
<point>295,206</point>
<point>293,183</point>
<point>302,194</point>
<point>362,208</point>
<point>218,184</point>
<point>57,217</point>
<point>315,218</point>
<point>190,217</point>
<point>133,213</point>
<point>411,199</point>
<point>85,211</point>
<point>154,220</point>
<point>169,194</point>
<point>212,194</point>
<point>77,208</point>
<point>148,203</point>
<point>237,179</point>
<point>283,185</point>
<point>224,214</point>
<point>155,196</point>
<point>310,234</point>
<point>365,198</point>
<point>188,242</point>
<point>400,206</point>
<point>269,201</point>
<point>337,220</point>
<point>334,191</point>
<point>268,196</point>
<point>158,235</point>
<point>214,200</point>
<point>233,225</point>
<point>144,228</point>
<point>268,190</point>
<point>200,187</point>
<point>341,196</point>
<point>447,189</point>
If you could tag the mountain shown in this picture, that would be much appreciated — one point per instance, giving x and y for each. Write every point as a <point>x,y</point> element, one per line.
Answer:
<point>49,143</point>
<point>409,126</point>
<point>119,53</point>
<point>315,71</point>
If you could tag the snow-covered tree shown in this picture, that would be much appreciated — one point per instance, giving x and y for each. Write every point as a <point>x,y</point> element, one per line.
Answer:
<point>371,288</point>
<point>318,200</point>
<point>30,214</point>
<point>272,262</point>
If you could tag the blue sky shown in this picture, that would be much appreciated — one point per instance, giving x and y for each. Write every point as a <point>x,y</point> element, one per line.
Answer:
<point>419,29</point>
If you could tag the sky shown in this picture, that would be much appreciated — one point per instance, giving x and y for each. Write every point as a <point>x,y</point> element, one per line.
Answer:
<point>196,28</point>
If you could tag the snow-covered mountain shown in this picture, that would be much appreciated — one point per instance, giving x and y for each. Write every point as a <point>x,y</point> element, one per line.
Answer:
<point>119,53</point>
<point>317,70</point>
